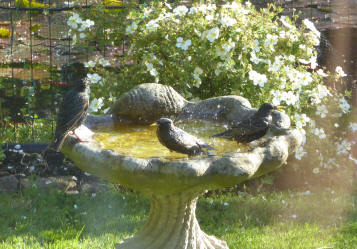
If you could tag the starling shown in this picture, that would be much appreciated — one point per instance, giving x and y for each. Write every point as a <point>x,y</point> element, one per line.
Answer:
<point>252,128</point>
<point>74,107</point>
<point>176,139</point>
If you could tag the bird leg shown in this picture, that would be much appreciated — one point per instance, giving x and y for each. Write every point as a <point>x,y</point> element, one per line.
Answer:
<point>80,140</point>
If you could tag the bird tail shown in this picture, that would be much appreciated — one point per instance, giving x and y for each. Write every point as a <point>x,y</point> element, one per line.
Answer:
<point>225,134</point>
<point>207,146</point>
<point>57,143</point>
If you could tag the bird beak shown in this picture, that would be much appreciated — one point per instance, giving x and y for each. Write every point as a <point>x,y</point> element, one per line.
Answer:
<point>279,107</point>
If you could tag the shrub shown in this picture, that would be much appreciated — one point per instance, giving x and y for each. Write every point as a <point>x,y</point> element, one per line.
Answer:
<point>208,50</point>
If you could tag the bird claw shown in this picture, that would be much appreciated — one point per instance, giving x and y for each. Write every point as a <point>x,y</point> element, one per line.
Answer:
<point>79,139</point>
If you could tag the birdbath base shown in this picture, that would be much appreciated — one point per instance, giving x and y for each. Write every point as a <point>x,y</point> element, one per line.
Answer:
<point>172,224</point>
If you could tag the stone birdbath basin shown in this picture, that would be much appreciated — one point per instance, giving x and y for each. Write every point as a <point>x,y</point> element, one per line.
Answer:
<point>173,186</point>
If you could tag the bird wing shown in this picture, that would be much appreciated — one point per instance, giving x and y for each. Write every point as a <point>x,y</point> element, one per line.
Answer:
<point>72,112</point>
<point>251,129</point>
<point>187,140</point>
<point>247,129</point>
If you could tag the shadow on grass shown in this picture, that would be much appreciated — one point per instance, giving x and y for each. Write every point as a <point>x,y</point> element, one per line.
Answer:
<point>48,217</point>
<point>51,217</point>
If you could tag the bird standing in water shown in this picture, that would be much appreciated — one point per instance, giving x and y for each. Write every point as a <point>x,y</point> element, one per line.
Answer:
<point>176,139</point>
<point>252,128</point>
<point>74,107</point>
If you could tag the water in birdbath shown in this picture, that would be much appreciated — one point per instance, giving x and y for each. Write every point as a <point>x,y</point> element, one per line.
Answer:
<point>142,142</point>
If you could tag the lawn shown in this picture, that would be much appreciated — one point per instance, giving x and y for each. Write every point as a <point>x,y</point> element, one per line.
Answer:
<point>313,219</point>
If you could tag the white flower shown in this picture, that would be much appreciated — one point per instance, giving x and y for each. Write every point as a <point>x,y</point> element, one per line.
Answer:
<point>74,20</point>
<point>286,22</point>
<point>223,50</point>
<point>270,41</point>
<point>345,107</point>
<point>321,110</point>
<point>321,73</point>
<point>198,71</point>
<point>90,64</point>
<point>104,62</point>
<point>152,25</point>
<point>312,61</point>
<point>276,97</point>
<point>255,59</point>
<point>343,148</point>
<point>310,25</point>
<point>196,75</point>
<point>319,93</point>
<point>193,10</point>
<point>130,29</point>
<point>292,36</point>
<point>87,23</point>
<point>315,40</point>
<point>257,78</point>
<point>94,78</point>
<point>352,159</point>
<point>291,58</point>
<point>180,10</point>
<point>320,133</point>
<point>255,46</point>
<point>316,170</point>
<point>353,127</point>
<point>211,34</point>
<point>323,91</point>
<point>300,153</point>
<point>151,69</point>
<point>297,78</point>
<point>290,98</point>
<point>275,67</point>
<point>96,105</point>
<point>232,6</point>
<point>305,78</point>
<point>184,45</point>
<point>147,12</point>
<point>227,21</point>
<point>340,72</point>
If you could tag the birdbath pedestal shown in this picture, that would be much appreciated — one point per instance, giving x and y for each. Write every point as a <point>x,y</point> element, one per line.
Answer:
<point>173,186</point>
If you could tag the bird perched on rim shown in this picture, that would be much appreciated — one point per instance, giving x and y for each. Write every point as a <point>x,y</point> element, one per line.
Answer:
<point>252,128</point>
<point>74,107</point>
<point>176,139</point>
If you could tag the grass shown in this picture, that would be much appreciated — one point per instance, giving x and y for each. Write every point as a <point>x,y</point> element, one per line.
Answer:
<point>271,220</point>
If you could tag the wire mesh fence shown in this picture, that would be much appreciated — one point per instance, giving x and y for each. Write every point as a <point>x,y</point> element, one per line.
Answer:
<point>38,44</point>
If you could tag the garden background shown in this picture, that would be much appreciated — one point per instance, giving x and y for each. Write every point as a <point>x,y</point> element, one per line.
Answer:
<point>310,203</point>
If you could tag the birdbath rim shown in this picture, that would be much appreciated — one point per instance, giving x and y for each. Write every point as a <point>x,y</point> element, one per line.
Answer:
<point>210,171</point>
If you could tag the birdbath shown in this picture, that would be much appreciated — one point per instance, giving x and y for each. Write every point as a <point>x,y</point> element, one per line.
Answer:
<point>173,186</point>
